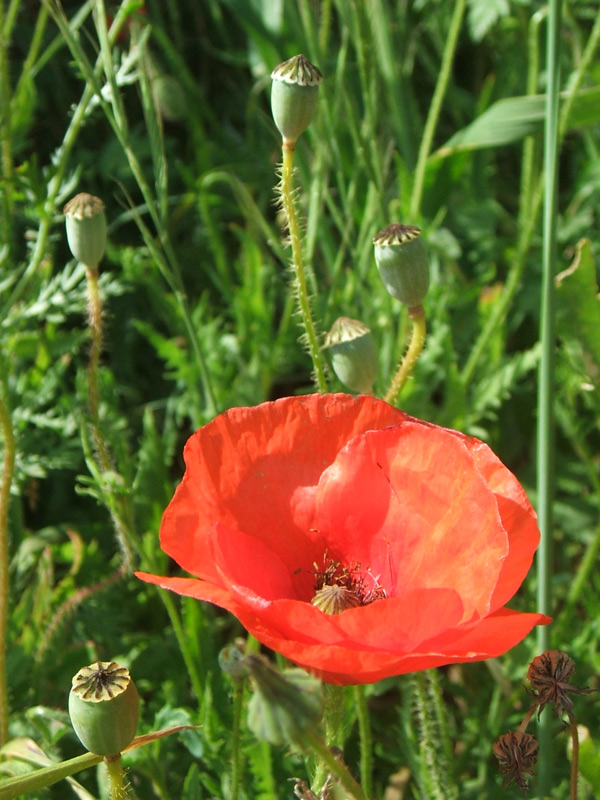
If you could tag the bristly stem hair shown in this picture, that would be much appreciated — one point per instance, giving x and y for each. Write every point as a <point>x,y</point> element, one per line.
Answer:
<point>300,284</point>
<point>417,342</point>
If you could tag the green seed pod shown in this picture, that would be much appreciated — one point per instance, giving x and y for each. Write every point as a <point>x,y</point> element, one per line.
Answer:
<point>401,258</point>
<point>104,707</point>
<point>353,354</point>
<point>284,706</point>
<point>86,228</point>
<point>294,96</point>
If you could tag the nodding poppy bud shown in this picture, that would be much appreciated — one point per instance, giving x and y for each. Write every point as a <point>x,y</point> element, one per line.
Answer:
<point>353,354</point>
<point>284,706</point>
<point>401,258</point>
<point>294,96</point>
<point>104,707</point>
<point>231,661</point>
<point>86,228</point>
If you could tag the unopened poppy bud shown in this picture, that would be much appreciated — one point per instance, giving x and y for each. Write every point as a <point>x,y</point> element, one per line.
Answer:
<point>294,96</point>
<point>401,258</point>
<point>104,707</point>
<point>284,706</point>
<point>231,661</point>
<point>86,228</point>
<point>353,354</point>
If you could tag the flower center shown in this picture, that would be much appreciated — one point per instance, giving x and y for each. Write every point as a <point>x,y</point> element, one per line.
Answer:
<point>338,587</point>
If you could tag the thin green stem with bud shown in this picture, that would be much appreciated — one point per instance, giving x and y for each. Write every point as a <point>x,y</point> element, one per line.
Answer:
<point>417,342</point>
<point>300,283</point>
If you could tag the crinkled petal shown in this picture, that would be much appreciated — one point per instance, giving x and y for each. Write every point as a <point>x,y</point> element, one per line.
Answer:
<point>258,468</point>
<point>518,518</point>
<point>409,506</point>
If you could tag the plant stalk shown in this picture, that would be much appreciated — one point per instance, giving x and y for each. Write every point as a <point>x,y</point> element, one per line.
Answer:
<point>545,427</point>
<point>435,108</point>
<point>5,484</point>
<point>334,766</point>
<point>366,740</point>
<point>116,776</point>
<point>300,284</point>
<point>417,342</point>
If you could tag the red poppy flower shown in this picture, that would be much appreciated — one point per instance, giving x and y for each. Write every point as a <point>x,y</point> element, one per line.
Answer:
<point>420,532</point>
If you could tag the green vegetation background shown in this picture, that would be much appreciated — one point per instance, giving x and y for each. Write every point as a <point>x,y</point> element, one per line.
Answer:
<point>199,317</point>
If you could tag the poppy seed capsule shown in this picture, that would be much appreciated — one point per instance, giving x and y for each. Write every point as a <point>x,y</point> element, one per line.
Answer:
<point>353,354</point>
<point>86,228</point>
<point>104,707</point>
<point>294,95</point>
<point>402,261</point>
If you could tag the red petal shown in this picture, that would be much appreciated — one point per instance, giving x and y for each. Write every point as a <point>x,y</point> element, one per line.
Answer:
<point>257,469</point>
<point>407,504</point>
<point>518,518</point>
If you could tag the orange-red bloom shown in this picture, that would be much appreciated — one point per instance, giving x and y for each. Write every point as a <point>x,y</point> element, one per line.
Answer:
<point>423,528</point>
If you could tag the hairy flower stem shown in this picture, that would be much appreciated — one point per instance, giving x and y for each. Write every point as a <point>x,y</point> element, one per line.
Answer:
<point>119,506</point>
<point>7,475</point>
<point>366,740</point>
<point>300,284</point>
<point>333,719</point>
<point>430,766</point>
<point>417,342</point>
<point>333,766</point>
<point>95,323</point>
<point>116,776</point>
<point>119,509</point>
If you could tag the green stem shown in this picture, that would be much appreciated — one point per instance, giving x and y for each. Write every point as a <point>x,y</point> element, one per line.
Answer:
<point>333,719</point>
<point>236,750</point>
<point>366,740</point>
<point>529,145</point>
<point>432,769</point>
<point>574,757</point>
<point>119,507</point>
<point>5,484</point>
<point>5,136</point>
<point>417,342</point>
<point>334,766</point>
<point>300,284</point>
<point>95,323</point>
<point>183,642</point>
<point>545,426</point>
<point>116,777</point>
<point>435,108</point>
